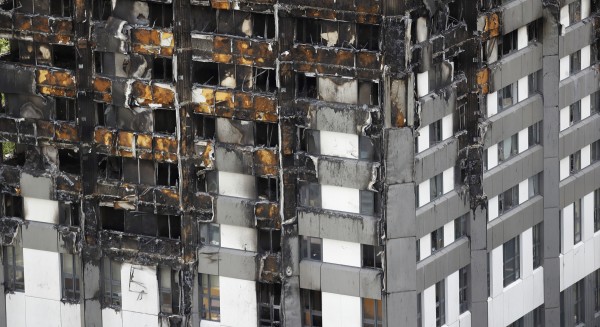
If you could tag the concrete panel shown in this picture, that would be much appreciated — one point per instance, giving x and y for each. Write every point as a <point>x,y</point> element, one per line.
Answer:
<point>444,262</point>
<point>238,302</point>
<point>111,318</point>
<point>208,260</point>
<point>45,211</point>
<point>519,13</point>
<point>341,310</point>
<point>46,285</point>
<point>400,264</point>
<point>239,238</point>
<point>139,289</point>
<point>510,173</point>
<point>339,118</point>
<point>340,279</point>
<point>435,160</point>
<point>36,187</point>
<point>576,37</point>
<point>348,173</point>
<point>590,172</point>
<point>139,319</point>
<point>40,236</point>
<point>514,222</point>
<point>516,66</point>
<point>234,211</point>
<point>435,214</point>
<point>399,147</point>
<point>436,106</point>
<point>513,120</point>
<point>579,135</point>
<point>310,275</point>
<point>370,283</point>
<point>341,252</point>
<point>237,264</point>
<point>42,312</point>
<point>578,86</point>
<point>15,309</point>
<point>400,206</point>
<point>401,309</point>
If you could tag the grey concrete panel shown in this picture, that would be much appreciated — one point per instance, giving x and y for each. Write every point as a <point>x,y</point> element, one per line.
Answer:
<point>399,151</point>
<point>512,120</point>
<point>338,118</point>
<point>576,37</point>
<point>237,264</point>
<point>435,106</point>
<point>229,160</point>
<point>443,263</point>
<point>40,236</point>
<point>340,279</point>
<point>510,173</point>
<point>208,260</point>
<point>570,184</point>
<point>429,215</point>
<point>478,273</point>
<point>370,283</point>
<point>338,226</point>
<point>308,223</point>
<point>515,222</point>
<point>292,315</point>
<point>400,264</point>
<point>401,309</point>
<point>516,66</point>
<point>579,135</point>
<point>400,211</point>
<point>36,187</point>
<point>578,86</point>
<point>519,13</point>
<point>234,211</point>
<point>310,275</point>
<point>356,174</point>
<point>92,313</point>
<point>551,279</point>
<point>436,159</point>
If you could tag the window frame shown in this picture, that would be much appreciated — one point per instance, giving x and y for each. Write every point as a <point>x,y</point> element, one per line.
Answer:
<point>440,303</point>
<point>537,246</point>
<point>13,262</point>
<point>463,289</point>
<point>577,221</point>
<point>307,243</point>
<point>73,293</point>
<point>110,297</point>
<point>209,311</point>
<point>511,261</point>
<point>376,321</point>
<point>311,310</point>
<point>274,309</point>
<point>207,231</point>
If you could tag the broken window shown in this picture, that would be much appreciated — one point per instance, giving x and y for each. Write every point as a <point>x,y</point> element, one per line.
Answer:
<point>435,187</point>
<point>309,140</point>
<point>368,93</point>
<point>205,73</point>
<point>162,69</point>
<point>160,14</point>
<point>372,313</point>
<point>165,121</point>
<point>63,56</point>
<point>68,161</point>
<point>138,171</point>
<point>508,148</point>
<point>269,300</point>
<point>575,112</point>
<point>167,174</point>
<point>437,240</point>
<point>306,86</point>
<point>204,19</point>
<point>111,271</point>
<point>575,162</point>
<point>267,188</point>
<point>101,9</point>
<point>205,126</point>
<point>264,80</point>
<point>263,26</point>
<point>367,37</point>
<point>266,134</point>
<point>70,276</point>
<point>435,132</point>
<point>210,234</point>
<point>508,199</point>
<point>508,43</point>
<point>112,219</point>
<point>169,226</point>
<point>35,53</point>
<point>68,213</point>
<point>312,308</point>
<point>14,272</point>
<point>13,205</point>
<point>371,256</point>
<point>269,240</point>
<point>109,167</point>
<point>210,305</point>
<point>66,109</point>
<point>311,248</point>
<point>168,286</point>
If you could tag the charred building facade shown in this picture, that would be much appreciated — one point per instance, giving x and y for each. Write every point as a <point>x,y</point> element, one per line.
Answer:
<point>300,163</point>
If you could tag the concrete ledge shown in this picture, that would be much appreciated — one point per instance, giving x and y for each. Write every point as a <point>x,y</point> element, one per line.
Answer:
<point>513,171</point>
<point>443,263</point>
<point>576,37</point>
<point>436,159</point>
<point>227,262</point>
<point>520,13</point>
<point>515,222</point>
<point>579,135</point>
<point>340,279</point>
<point>338,226</point>
<point>40,236</point>
<point>435,106</point>
<point>571,190</point>
<point>356,174</point>
<point>516,66</point>
<point>578,86</point>
<point>513,120</point>
<point>441,211</point>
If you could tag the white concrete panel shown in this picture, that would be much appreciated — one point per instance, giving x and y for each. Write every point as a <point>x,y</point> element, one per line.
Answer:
<point>139,289</point>
<point>340,198</point>
<point>111,318</point>
<point>586,156</point>
<point>585,57</point>
<point>237,185</point>
<point>238,302</point>
<point>341,252</point>
<point>589,257</point>
<point>15,309</point>
<point>341,310</point>
<point>425,246</point>
<point>70,315</point>
<point>452,308</point>
<point>523,140</point>
<point>564,168</point>
<point>588,216</point>
<point>447,127</point>
<point>46,285</point>
<point>523,87</point>
<point>207,323</point>
<point>423,139</point>
<point>492,156</point>
<point>513,302</point>
<point>527,253</point>
<point>523,191</point>
<point>522,38</point>
<point>564,67</point>
<point>538,287</point>
<point>139,319</point>
<point>428,307</point>
<point>42,312</point>
<point>578,261</point>
<point>343,90</point>
<point>339,144</point>
<point>564,18</point>
<point>496,273</point>
<point>498,311</point>
<point>465,319</point>
<point>567,273</point>
<point>492,104</point>
<point>585,8</point>
<point>448,180</point>
<point>586,107</point>
<point>421,29</point>
<point>449,233</point>
<point>45,211</point>
<point>493,208</point>
<point>424,193</point>
<point>567,228</point>
<point>422,84</point>
<point>237,237</point>
<point>564,118</point>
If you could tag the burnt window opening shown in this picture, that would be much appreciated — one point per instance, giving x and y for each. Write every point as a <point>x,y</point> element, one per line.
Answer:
<point>266,134</point>
<point>7,5</point>
<point>162,69</point>
<point>101,9</point>
<point>306,86</point>
<point>204,19</point>
<point>138,171</point>
<point>68,213</point>
<point>160,14</point>
<point>63,56</point>
<point>3,108</point>
<point>263,26</point>
<point>269,300</point>
<point>372,312</point>
<point>371,256</point>
<point>109,167</point>
<point>98,62</point>
<point>112,219</point>
<point>66,109</point>
<point>309,140</point>
<point>368,93</point>
<point>141,223</point>
<point>69,161</point>
<point>169,290</point>
<point>269,240</point>
<point>13,205</point>
<point>35,53</point>
<point>366,149</point>
<point>167,174</point>
<point>210,234</point>
<point>205,73</point>
<point>111,279</point>
<point>205,126</point>
<point>207,181</point>
<point>574,12</point>
<point>367,37</point>
<point>308,31</point>
<point>60,8</point>
<point>267,188</point>
<point>70,275</point>
<point>13,154</point>
<point>169,226</point>
<point>507,43</point>
<point>534,31</point>
<point>100,112</point>
<point>165,121</point>
<point>209,297</point>
<point>265,80</point>
<point>14,269</point>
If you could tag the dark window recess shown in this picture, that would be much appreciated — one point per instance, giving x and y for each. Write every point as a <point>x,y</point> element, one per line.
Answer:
<point>14,272</point>
<point>435,187</point>
<point>13,154</point>
<point>512,255</point>
<point>7,5</point>
<point>205,73</point>
<point>101,9</point>
<point>312,311</point>
<point>538,232</point>
<point>535,134</point>
<point>265,80</point>
<point>165,121</point>
<point>138,171</point>
<point>461,226</point>
<point>68,161</point>
<point>367,37</point>
<point>595,151</point>
<point>440,303</point>
<point>68,214</point>
<point>310,194</point>
<point>111,271</point>
<point>266,134</point>
<point>66,109</point>
<point>577,221</point>
<point>210,304</point>
<point>112,219</point>
<point>267,188</point>
<point>306,86</point>
<point>508,199</point>
<point>311,248</point>
<point>142,223</point>
<point>419,311</point>
<point>63,56</point>
<point>596,210</point>
<point>507,43</point>
<point>263,26</point>
<point>578,303</point>
<point>308,31</point>
<point>368,93</point>
<point>100,112</point>
<point>366,149</point>
<point>575,62</point>
<point>109,167</point>
<point>169,226</point>
<point>269,240</point>
<point>168,286</point>
<point>205,126</point>
<point>210,234</point>
<point>13,205</point>
<point>70,276</point>
<point>574,12</point>
<point>204,19</point>
<point>575,112</point>
<point>533,83</point>
<point>98,62</point>
<point>162,68</point>
<point>269,300</point>
<point>597,290</point>
<point>575,162</point>
<point>372,313</point>
<point>160,15</point>
<point>463,289</point>
<point>435,132</point>
<point>437,240</point>
<point>167,174</point>
<point>368,200</point>
<point>371,256</point>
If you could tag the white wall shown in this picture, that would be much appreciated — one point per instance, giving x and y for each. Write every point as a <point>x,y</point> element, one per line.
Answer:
<point>44,285</point>
<point>522,37</point>
<point>139,290</point>
<point>449,233</point>
<point>45,211</point>
<point>111,318</point>
<point>428,306</point>
<point>585,57</point>
<point>238,302</point>
<point>237,185</point>
<point>567,228</point>
<point>42,312</point>
<point>423,139</point>
<point>565,170</point>
<point>447,127</point>
<point>421,29</point>
<point>565,114</point>
<point>492,156</point>
<point>343,90</point>
<point>70,315</point>
<point>492,45</point>
<point>448,180</point>
<point>523,140</point>
<point>586,156</point>
<point>341,252</point>
<point>338,144</point>
<point>139,319</point>
<point>452,299</point>
<point>564,18</point>
<point>341,310</point>
<point>586,107</point>
<point>424,193</point>
<point>425,246</point>
<point>237,237</point>
<point>422,84</point>
<point>564,67</point>
<point>340,198</point>
<point>523,191</point>
<point>492,104</point>
<point>585,8</point>
<point>15,309</point>
<point>493,208</point>
<point>523,88</point>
